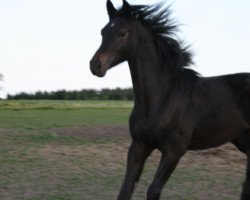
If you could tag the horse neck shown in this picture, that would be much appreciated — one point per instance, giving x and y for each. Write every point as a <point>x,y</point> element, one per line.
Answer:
<point>151,80</point>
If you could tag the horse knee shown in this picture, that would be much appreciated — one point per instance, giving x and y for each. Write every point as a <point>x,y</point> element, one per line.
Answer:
<point>153,193</point>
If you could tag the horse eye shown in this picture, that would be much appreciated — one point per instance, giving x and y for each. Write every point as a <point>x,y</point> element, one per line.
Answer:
<point>122,33</point>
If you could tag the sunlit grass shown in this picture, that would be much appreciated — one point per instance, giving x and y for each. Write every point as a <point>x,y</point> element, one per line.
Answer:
<point>63,105</point>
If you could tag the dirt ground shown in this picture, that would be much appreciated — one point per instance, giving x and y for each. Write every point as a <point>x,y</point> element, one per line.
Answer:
<point>215,173</point>
<point>225,155</point>
<point>99,164</point>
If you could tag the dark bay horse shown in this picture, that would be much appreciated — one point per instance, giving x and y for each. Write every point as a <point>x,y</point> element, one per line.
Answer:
<point>175,108</point>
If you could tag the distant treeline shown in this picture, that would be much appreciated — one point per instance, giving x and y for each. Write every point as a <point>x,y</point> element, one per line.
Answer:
<point>85,94</point>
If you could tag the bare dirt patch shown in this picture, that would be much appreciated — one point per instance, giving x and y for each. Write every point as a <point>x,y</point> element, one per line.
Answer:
<point>225,155</point>
<point>107,131</point>
<point>95,170</point>
<point>216,173</point>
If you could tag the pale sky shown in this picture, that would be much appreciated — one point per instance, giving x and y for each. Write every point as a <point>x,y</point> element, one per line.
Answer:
<point>47,44</point>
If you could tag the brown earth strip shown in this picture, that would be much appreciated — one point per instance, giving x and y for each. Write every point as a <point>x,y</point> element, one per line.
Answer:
<point>224,155</point>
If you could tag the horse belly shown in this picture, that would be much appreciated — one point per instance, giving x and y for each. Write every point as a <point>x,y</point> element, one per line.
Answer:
<point>212,134</point>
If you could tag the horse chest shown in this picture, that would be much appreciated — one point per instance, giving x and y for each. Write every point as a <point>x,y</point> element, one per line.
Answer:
<point>144,130</point>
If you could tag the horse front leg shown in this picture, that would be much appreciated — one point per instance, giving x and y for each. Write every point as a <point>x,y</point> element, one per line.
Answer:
<point>246,186</point>
<point>243,144</point>
<point>137,155</point>
<point>168,163</point>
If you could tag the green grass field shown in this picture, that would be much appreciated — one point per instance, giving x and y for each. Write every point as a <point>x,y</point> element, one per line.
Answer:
<point>62,105</point>
<point>47,152</point>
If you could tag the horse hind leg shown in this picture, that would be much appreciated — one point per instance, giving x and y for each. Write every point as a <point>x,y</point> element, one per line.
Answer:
<point>243,144</point>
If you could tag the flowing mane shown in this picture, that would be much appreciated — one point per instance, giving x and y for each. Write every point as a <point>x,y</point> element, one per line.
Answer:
<point>163,28</point>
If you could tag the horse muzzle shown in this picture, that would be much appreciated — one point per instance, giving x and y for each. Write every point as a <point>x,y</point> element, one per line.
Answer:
<point>99,64</point>
<point>96,68</point>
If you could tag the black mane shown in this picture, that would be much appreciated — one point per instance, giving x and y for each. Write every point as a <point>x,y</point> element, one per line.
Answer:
<point>158,20</point>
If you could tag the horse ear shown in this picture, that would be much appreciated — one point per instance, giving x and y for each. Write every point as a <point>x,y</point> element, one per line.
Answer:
<point>111,9</point>
<point>126,8</point>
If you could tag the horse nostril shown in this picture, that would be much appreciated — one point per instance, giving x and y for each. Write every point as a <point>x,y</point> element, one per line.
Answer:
<point>95,65</point>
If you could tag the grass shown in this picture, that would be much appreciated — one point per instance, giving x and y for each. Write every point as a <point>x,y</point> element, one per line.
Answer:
<point>37,162</point>
<point>34,160</point>
<point>62,105</point>
<point>40,119</point>
<point>25,114</point>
